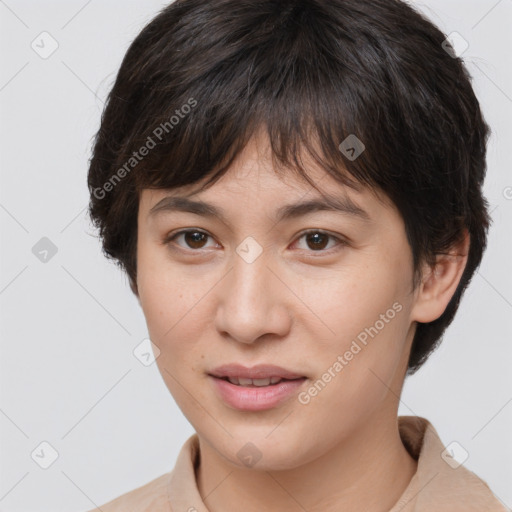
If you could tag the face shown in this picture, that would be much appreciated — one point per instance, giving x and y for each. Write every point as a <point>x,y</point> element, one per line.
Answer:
<point>322,295</point>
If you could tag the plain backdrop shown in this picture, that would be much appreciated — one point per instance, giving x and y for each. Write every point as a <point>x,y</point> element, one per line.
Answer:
<point>70,324</point>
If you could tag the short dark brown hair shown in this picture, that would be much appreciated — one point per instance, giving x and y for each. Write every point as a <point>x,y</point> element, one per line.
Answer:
<point>204,75</point>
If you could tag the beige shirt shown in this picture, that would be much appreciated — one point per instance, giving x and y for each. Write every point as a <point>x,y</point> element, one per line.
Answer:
<point>440,484</point>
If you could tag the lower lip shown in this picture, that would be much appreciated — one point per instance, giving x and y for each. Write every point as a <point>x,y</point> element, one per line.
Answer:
<point>256,398</point>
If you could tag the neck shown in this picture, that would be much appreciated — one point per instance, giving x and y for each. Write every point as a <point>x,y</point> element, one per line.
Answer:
<point>373,458</point>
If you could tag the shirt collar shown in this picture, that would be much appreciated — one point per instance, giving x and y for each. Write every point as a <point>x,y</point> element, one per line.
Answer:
<point>439,484</point>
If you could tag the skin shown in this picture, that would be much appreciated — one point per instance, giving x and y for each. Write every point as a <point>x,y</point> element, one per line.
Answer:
<point>298,307</point>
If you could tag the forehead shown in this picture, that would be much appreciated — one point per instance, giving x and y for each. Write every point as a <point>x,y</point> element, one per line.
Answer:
<point>252,180</point>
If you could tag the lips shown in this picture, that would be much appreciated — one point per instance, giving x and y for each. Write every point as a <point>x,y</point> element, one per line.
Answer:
<point>257,388</point>
<point>259,375</point>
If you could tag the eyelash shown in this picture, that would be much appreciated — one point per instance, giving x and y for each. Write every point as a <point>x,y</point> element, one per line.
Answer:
<point>341,242</point>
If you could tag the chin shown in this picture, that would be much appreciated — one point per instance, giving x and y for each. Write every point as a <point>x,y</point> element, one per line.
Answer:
<point>254,449</point>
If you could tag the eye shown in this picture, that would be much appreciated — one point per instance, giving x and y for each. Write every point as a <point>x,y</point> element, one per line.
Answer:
<point>195,239</point>
<point>317,240</point>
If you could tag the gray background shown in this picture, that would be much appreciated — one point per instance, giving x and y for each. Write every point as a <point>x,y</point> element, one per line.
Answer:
<point>69,325</point>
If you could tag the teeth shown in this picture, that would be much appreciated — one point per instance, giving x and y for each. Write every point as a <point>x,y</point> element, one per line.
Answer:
<point>254,382</point>
<point>261,382</point>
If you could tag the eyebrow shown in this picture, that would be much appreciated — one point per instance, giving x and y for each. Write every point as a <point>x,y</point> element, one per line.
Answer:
<point>342,205</point>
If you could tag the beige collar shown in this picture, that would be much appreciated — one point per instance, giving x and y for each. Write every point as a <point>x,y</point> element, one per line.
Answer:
<point>439,484</point>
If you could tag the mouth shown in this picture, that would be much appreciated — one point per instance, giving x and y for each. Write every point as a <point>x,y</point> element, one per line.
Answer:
<point>257,383</point>
<point>257,388</point>
<point>241,375</point>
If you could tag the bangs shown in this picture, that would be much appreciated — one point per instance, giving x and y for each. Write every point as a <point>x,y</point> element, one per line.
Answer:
<point>310,96</point>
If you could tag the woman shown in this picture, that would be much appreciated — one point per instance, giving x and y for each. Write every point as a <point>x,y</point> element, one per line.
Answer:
<point>295,192</point>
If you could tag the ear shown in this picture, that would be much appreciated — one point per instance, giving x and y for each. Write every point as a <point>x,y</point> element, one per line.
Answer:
<point>439,284</point>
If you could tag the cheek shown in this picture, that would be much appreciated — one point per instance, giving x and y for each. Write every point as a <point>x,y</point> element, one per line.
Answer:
<point>356,299</point>
<point>368,323</point>
<point>173,319</point>
<point>173,302</point>
<point>173,313</point>
<point>354,380</point>
<point>166,294</point>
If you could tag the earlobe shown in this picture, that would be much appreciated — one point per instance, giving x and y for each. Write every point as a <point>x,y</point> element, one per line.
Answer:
<point>440,283</point>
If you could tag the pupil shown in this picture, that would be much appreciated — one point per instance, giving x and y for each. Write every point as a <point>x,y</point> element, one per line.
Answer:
<point>316,243</point>
<point>194,239</point>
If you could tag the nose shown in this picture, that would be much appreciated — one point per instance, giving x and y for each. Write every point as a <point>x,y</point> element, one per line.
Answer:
<point>252,303</point>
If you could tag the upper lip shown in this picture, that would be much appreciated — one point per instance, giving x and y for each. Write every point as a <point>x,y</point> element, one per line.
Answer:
<point>260,371</point>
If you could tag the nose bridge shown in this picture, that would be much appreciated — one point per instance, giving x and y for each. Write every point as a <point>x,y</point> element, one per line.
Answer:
<point>251,302</point>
